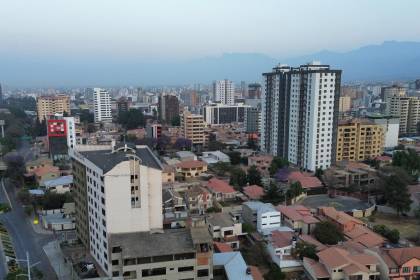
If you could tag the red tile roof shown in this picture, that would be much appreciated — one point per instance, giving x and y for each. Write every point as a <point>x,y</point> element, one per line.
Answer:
<point>220,186</point>
<point>222,247</point>
<point>297,213</point>
<point>256,273</point>
<point>383,158</point>
<point>191,164</point>
<point>281,239</point>
<point>305,179</point>
<point>402,255</point>
<point>46,169</point>
<point>254,191</point>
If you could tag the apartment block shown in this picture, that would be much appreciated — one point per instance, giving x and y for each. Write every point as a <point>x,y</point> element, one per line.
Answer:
<point>168,108</point>
<point>224,114</point>
<point>51,105</point>
<point>407,109</point>
<point>192,126</point>
<point>101,105</point>
<point>224,92</point>
<point>390,126</point>
<point>359,139</point>
<point>300,114</point>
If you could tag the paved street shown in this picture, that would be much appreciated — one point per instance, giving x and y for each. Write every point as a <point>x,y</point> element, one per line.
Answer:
<point>23,236</point>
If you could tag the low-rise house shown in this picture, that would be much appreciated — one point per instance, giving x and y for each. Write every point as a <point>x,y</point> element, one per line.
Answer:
<point>221,190</point>
<point>253,192</point>
<point>45,173</point>
<point>336,263</point>
<point>280,246</point>
<point>298,217</point>
<point>61,184</point>
<point>168,174</point>
<point>262,162</point>
<point>262,215</point>
<point>215,157</point>
<point>37,163</point>
<point>198,199</point>
<point>400,263</point>
<point>306,180</point>
<point>311,240</point>
<point>231,266</point>
<point>174,206</point>
<point>186,156</point>
<point>224,228</point>
<point>191,168</point>
<point>344,221</point>
<point>59,219</point>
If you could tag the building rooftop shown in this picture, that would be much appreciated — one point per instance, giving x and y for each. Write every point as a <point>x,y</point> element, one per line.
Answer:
<point>396,257</point>
<point>234,264</point>
<point>298,213</point>
<point>221,186</point>
<point>106,159</point>
<point>220,219</point>
<point>191,164</point>
<point>147,244</point>
<point>63,180</point>
<point>253,191</point>
<point>281,239</point>
<point>306,180</point>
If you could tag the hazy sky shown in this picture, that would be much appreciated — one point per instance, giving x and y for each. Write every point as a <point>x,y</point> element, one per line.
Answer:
<point>185,29</point>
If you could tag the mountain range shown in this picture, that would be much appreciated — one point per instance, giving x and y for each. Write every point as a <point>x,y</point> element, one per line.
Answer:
<point>389,61</point>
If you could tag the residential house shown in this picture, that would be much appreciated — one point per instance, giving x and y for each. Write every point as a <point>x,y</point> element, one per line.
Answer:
<point>60,185</point>
<point>262,215</point>
<point>37,163</point>
<point>336,263</point>
<point>224,228</point>
<point>231,266</point>
<point>344,221</point>
<point>174,209</point>
<point>198,199</point>
<point>214,157</point>
<point>306,180</point>
<point>45,173</point>
<point>262,162</point>
<point>168,174</point>
<point>401,263</point>
<point>298,217</point>
<point>253,192</point>
<point>280,246</point>
<point>221,190</point>
<point>185,156</point>
<point>191,168</point>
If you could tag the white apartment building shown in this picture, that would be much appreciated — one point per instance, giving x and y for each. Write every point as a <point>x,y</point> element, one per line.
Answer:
<point>71,132</point>
<point>124,195</point>
<point>224,92</point>
<point>263,215</point>
<point>101,105</point>
<point>300,114</point>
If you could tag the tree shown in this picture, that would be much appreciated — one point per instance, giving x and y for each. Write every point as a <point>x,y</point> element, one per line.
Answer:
<point>393,235</point>
<point>215,145</point>
<point>254,176</point>
<point>407,160</point>
<point>396,194</point>
<point>235,157</point>
<point>318,173</point>
<point>294,190</point>
<point>132,119</point>
<point>176,121</point>
<point>328,233</point>
<point>305,250</point>
<point>183,144</point>
<point>25,197</point>
<point>274,273</point>
<point>15,167</point>
<point>220,168</point>
<point>252,144</point>
<point>276,164</point>
<point>273,195</point>
<point>237,178</point>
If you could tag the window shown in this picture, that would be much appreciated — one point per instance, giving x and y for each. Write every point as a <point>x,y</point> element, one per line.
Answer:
<point>153,272</point>
<point>115,262</point>
<point>185,268</point>
<point>202,272</point>
<point>115,273</point>
<point>406,270</point>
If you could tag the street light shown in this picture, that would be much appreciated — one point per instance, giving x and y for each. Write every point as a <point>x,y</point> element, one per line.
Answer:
<point>28,265</point>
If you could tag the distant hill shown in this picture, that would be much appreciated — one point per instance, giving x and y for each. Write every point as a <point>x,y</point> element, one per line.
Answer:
<point>388,61</point>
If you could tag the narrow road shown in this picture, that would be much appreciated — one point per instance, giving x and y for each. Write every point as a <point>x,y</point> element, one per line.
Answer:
<point>23,236</point>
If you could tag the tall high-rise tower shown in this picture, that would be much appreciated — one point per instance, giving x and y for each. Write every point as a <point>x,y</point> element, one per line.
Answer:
<point>102,105</point>
<point>300,114</point>
<point>224,92</point>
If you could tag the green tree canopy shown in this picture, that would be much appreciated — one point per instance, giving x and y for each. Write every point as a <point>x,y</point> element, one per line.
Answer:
<point>132,119</point>
<point>393,235</point>
<point>276,164</point>
<point>238,178</point>
<point>328,233</point>
<point>396,194</point>
<point>235,157</point>
<point>408,160</point>
<point>254,176</point>
<point>305,250</point>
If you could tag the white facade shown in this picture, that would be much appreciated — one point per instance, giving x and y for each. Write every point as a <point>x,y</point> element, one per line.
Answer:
<point>268,218</point>
<point>214,157</point>
<point>391,128</point>
<point>71,132</point>
<point>224,92</point>
<point>102,105</point>
<point>125,199</point>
